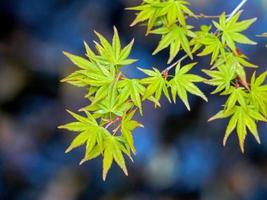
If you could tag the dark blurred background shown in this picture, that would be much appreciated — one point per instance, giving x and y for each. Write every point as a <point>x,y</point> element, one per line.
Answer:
<point>179,155</point>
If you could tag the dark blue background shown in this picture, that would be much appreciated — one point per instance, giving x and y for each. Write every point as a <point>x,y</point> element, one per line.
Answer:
<point>180,156</point>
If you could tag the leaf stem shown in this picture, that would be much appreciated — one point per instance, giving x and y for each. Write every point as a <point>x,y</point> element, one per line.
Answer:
<point>112,122</point>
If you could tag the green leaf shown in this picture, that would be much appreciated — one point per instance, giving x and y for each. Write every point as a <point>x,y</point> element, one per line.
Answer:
<point>154,12</point>
<point>156,84</point>
<point>242,119</point>
<point>110,54</point>
<point>116,43</point>
<point>237,95</point>
<point>221,78</point>
<point>222,114</point>
<point>183,83</point>
<point>80,62</point>
<point>258,93</point>
<point>127,127</point>
<point>78,141</point>
<point>213,46</point>
<point>131,88</point>
<point>90,133</point>
<point>175,38</point>
<point>107,160</point>
<point>230,127</point>
<point>113,151</point>
<point>89,155</point>
<point>231,30</point>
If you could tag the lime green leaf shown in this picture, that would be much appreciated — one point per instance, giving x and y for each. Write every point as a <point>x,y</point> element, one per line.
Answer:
<point>113,151</point>
<point>156,84</point>
<point>89,155</point>
<point>110,54</point>
<point>175,38</point>
<point>133,89</point>
<point>230,127</point>
<point>237,95</point>
<point>90,134</point>
<point>127,126</point>
<point>242,119</point>
<point>258,93</point>
<point>231,30</point>
<point>222,114</point>
<point>155,12</point>
<point>116,43</point>
<point>80,62</point>
<point>107,160</point>
<point>213,46</point>
<point>183,83</point>
<point>78,141</point>
<point>221,78</point>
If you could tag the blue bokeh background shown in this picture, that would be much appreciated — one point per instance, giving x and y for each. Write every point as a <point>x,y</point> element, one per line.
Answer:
<point>179,155</point>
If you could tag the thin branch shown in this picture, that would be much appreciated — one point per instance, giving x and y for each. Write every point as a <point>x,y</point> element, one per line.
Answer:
<point>242,3</point>
<point>203,16</point>
<point>174,64</point>
<point>239,6</point>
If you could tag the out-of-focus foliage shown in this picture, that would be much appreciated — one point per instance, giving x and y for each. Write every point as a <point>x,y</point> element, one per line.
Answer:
<point>263,35</point>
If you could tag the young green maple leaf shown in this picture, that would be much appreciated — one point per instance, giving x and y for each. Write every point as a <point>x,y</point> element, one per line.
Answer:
<point>78,77</point>
<point>90,134</point>
<point>115,108</point>
<point>258,93</point>
<point>176,38</point>
<point>113,150</point>
<point>91,73</point>
<point>88,78</point>
<point>213,46</point>
<point>242,119</point>
<point>184,82</point>
<point>110,104</point>
<point>82,124</point>
<point>199,36</point>
<point>127,127</point>
<point>149,12</point>
<point>154,12</point>
<point>234,62</point>
<point>231,30</point>
<point>176,11</point>
<point>133,89</point>
<point>110,53</point>
<point>237,95</point>
<point>156,84</point>
<point>98,141</point>
<point>221,78</point>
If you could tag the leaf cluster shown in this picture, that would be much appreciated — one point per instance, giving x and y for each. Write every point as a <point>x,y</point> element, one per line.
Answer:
<point>245,104</point>
<point>167,19</point>
<point>106,129</point>
<point>106,124</point>
<point>227,73</point>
